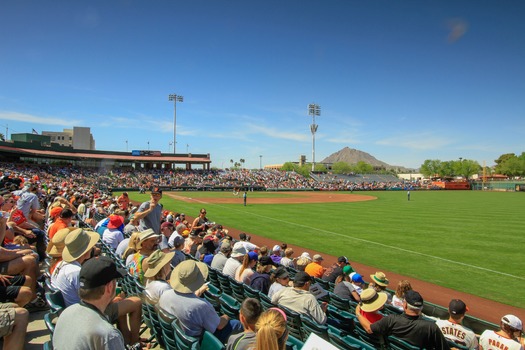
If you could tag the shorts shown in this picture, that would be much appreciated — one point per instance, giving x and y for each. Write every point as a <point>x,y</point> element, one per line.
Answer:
<point>10,292</point>
<point>7,318</point>
<point>111,312</point>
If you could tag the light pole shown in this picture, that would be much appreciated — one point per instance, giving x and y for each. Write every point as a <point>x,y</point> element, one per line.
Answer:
<point>148,145</point>
<point>313,110</point>
<point>187,148</point>
<point>126,145</point>
<point>260,162</point>
<point>175,99</point>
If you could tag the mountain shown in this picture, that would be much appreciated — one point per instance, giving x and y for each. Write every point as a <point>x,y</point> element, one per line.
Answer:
<point>352,156</point>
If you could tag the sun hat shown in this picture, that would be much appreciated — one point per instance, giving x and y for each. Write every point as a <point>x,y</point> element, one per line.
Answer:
<point>306,255</point>
<point>57,244</point>
<point>238,251</point>
<point>115,221</point>
<point>380,279</point>
<point>78,242</point>
<point>413,298</point>
<point>156,261</point>
<point>512,321</point>
<point>226,246</point>
<point>371,300</point>
<point>146,234</point>
<point>188,276</point>
<point>99,271</point>
<point>457,307</point>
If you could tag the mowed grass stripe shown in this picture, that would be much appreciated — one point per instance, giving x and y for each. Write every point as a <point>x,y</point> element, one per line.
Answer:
<point>451,238</point>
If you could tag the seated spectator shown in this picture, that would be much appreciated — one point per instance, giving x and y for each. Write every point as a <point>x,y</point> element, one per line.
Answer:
<point>272,331</point>
<point>84,325</point>
<point>300,300</point>
<point>287,260</point>
<point>192,243</point>
<point>358,282</point>
<point>263,251</point>
<point>379,282</point>
<point>178,256</point>
<point>207,249</point>
<point>301,263</point>
<point>248,315</point>
<point>195,314</point>
<point>343,286</point>
<point>235,260</point>
<point>281,280</point>
<point>245,241</point>
<point>167,229</point>
<point>510,329</point>
<point>261,277</point>
<point>276,254</point>
<point>315,269</point>
<point>335,270</point>
<point>219,259</point>
<point>158,268</point>
<point>147,244</point>
<point>113,235</point>
<point>371,303</point>
<point>13,325</point>
<point>402,287</point>
<point>452,328</point>
<point>409,326</point>
<point>56,247</point>
<point>245,271</point>
<point>64,221</point>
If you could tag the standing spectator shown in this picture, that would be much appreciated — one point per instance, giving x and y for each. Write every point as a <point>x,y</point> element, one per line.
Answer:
<point>150,213</point>
<point>84,325</point>
<point>409,326</point>
<point>244,197</point>
<point>452,328</point>
<point>315,269</point>
<point>510,329</point>
<point>123,201</point>
<point>200,222</point>
<point>29,204</point>
<point>300,300</point>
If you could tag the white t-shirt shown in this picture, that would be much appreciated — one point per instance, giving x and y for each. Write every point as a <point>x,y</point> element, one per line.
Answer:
<point>230,267</point>
<point>458,334</point>
<point>490,340</point>
<point>154,289</point>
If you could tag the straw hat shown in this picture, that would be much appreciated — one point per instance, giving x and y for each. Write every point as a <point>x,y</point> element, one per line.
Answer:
<point>188,276</point>
<point>79,242</point>
<point>371,300</point>
<point>146,234</point>
<point>57,244</point>
<point>156,261</point>
<point>380,279</point>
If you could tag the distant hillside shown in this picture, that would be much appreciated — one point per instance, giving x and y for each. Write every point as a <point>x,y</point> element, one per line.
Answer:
<point>352,156</point>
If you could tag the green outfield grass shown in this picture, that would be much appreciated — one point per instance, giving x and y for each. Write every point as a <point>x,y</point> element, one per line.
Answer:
<point>466,240</point>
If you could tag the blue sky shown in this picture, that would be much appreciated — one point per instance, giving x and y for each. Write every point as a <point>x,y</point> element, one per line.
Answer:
<point>402,80</point>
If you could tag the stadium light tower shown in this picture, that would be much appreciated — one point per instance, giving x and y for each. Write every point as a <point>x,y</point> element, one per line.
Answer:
<point>175,99</point>
<point>313,110</point>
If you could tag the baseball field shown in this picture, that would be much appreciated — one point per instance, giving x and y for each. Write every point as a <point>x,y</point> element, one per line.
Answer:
<point>470,241</point>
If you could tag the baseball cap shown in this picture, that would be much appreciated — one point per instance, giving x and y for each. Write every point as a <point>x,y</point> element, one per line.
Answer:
<point>166,224</point>
<point>156,190</point>
<point>414,298</point>
<point>253,256</point>
<point>178,240</point>
<point>281,272</point>
<point>348,269</point>
<point>317,257</point>
<point>276,248</point>
<point>99,271</point>
<point>266,260</point>
<point>512,321</point>
<point>342,259</point>
<point>457,307</point>
<point>301,278</point>
<point>357,278</point>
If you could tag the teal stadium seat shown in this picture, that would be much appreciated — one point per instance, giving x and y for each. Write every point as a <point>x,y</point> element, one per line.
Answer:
<point>211,342</point>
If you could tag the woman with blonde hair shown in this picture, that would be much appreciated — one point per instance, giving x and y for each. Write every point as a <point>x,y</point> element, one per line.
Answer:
<point>132,246</point>
<point>271,330</point>
<point>402,287</point>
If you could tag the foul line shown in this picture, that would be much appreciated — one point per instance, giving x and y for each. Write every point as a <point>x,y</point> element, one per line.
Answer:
<point>361,240</point>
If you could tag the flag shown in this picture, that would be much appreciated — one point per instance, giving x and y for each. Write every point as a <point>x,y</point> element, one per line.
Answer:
<point>35,132</point>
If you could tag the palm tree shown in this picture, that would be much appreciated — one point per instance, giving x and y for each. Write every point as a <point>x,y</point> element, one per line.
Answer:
<point>241,161</point>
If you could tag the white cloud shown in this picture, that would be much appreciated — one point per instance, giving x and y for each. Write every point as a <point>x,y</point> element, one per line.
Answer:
<point>276,133</point>
<point>33,119</point>
<point>413,140</point>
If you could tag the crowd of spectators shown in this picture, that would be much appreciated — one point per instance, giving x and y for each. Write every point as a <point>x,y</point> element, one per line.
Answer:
<point>69,211</point>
